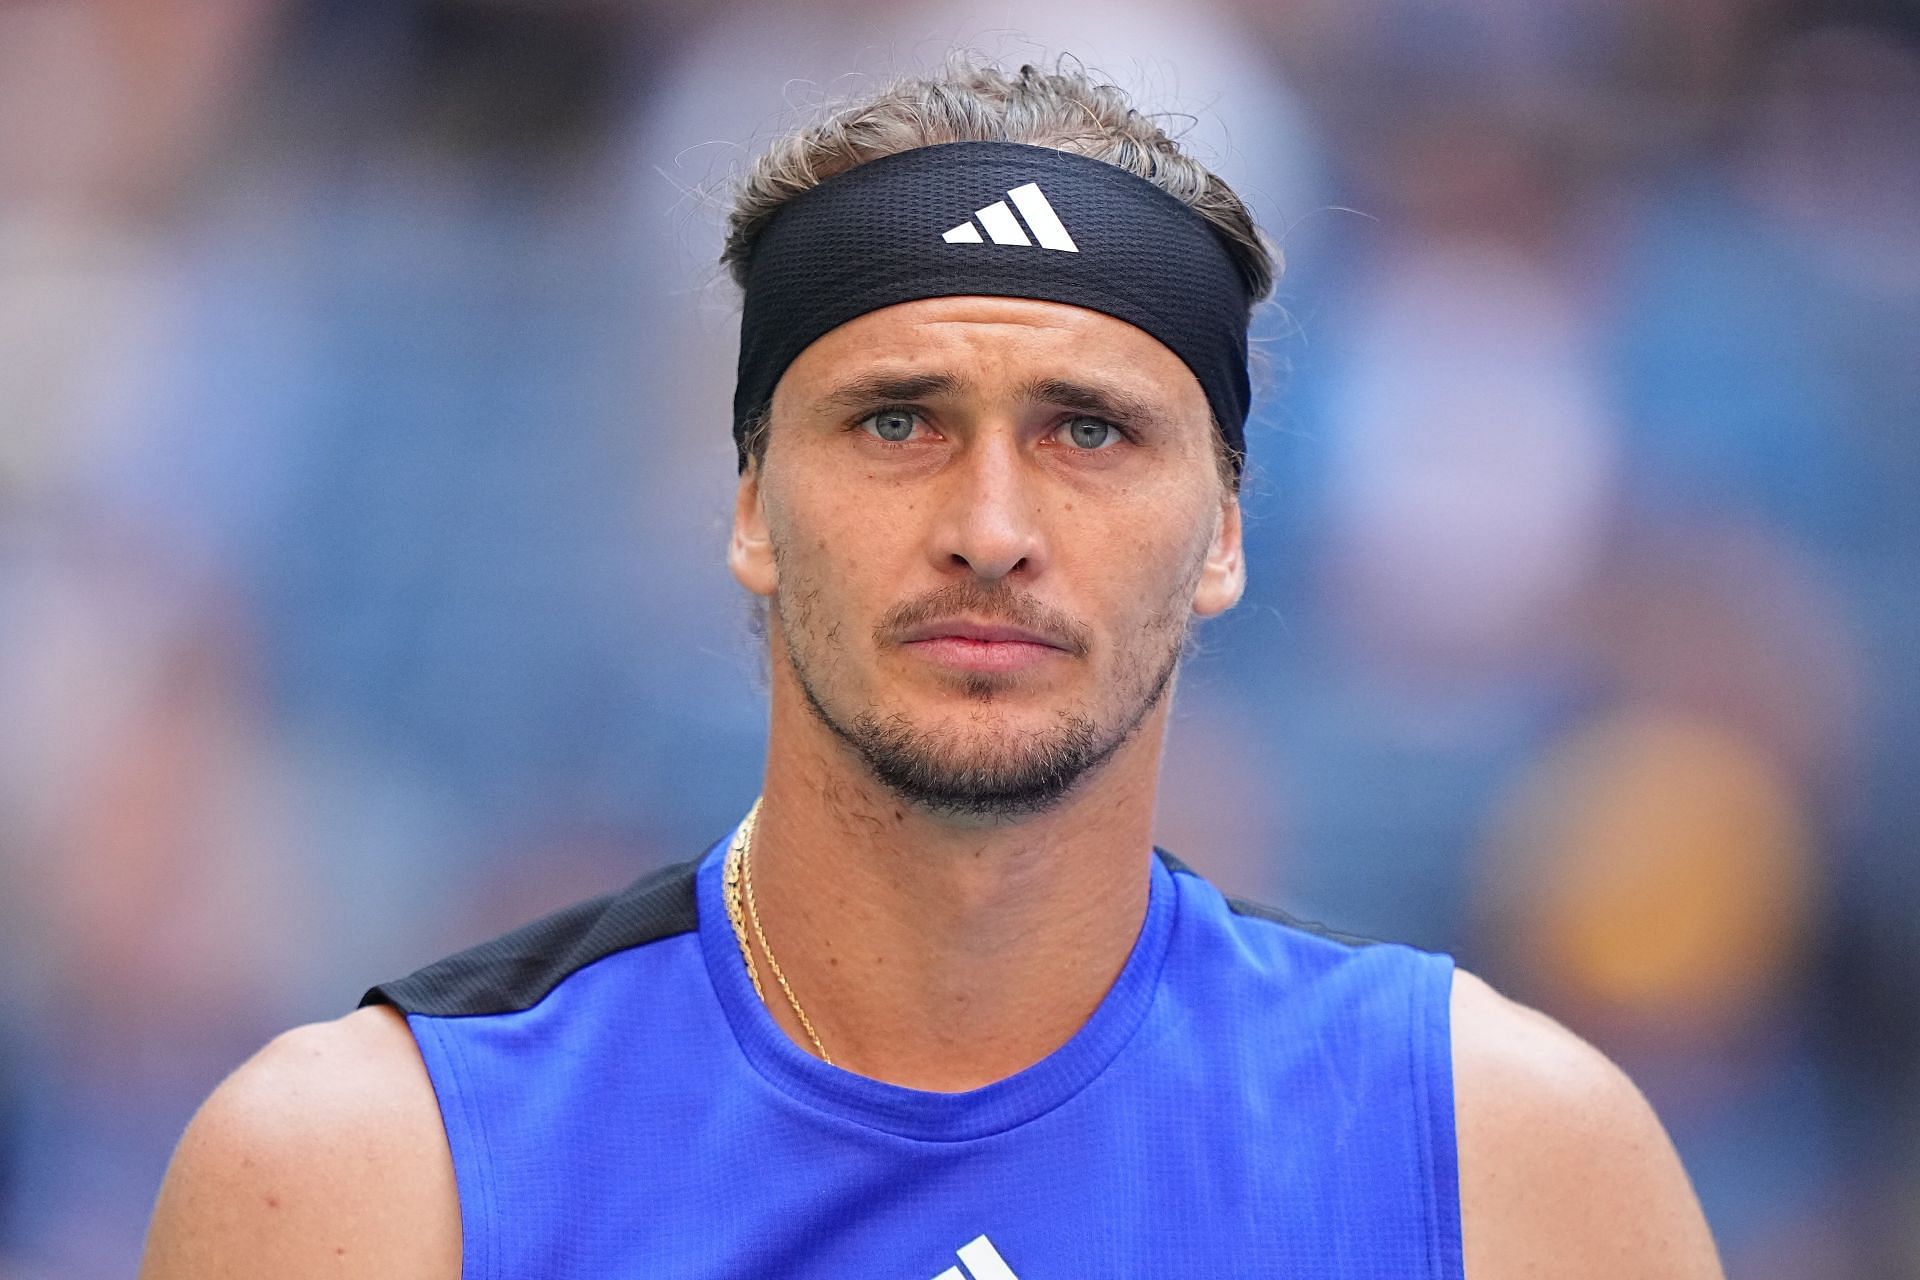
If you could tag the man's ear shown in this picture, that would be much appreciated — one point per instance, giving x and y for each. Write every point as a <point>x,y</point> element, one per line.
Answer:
<point>1224,575</point>
<point>750,550</point>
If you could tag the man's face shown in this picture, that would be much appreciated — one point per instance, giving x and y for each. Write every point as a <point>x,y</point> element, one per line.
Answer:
<point>984,525</point>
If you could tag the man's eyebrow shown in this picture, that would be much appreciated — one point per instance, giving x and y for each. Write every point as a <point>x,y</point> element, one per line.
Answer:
<point>1101,400</point>
<point>875,387</point>
<point>1104,401</point>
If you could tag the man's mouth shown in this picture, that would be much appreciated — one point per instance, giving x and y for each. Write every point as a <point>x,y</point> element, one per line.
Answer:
<point>964,645</point>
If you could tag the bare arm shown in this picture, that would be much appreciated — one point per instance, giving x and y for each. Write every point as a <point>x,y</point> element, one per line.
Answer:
<point>323,1155</point>
<point>1564,1168</point>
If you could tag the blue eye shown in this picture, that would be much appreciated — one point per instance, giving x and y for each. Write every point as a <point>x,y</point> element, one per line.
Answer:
<point>892,425</point>
<point>1092,433</point>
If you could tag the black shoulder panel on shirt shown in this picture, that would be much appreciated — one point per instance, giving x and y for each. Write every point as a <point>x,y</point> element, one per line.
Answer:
<point>516,970</point>
<point>1261,911</point>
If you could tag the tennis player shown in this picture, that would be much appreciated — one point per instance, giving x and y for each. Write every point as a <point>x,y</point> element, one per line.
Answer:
<point>938,1009</point>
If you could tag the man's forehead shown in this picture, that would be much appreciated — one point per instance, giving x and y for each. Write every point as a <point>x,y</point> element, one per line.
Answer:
<point>1023,349</point>
<point>993,318</point>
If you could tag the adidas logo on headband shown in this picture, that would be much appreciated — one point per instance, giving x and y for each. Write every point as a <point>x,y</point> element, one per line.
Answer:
<point>1003,228</point>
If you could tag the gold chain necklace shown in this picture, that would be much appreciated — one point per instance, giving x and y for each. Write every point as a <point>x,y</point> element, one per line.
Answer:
<point>737,880</point>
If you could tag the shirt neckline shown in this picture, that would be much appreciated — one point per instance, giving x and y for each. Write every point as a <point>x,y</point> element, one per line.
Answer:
<point>917,1113</point>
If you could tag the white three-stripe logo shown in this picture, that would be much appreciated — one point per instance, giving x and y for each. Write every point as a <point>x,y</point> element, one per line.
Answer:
<point>981,1260</point>
<point>1003,228</point>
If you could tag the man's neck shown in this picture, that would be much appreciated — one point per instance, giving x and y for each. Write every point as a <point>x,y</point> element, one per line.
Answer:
<point>937,954</point>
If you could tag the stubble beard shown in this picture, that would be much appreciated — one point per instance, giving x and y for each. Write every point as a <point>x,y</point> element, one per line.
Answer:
<point>1013,775</point>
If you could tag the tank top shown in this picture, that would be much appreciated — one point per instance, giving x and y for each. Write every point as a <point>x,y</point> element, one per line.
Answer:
<point>1251,1098</point>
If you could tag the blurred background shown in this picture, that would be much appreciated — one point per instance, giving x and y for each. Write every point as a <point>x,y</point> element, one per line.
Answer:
<point>364,469</point>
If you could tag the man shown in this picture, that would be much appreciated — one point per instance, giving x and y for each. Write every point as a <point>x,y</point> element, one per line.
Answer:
<point>937,1009</point>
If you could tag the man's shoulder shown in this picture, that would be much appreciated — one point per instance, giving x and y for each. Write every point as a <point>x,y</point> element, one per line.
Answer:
<point>327,1148</point>
<point>519,969</point>
<point>321,1154</point>
<point>1564,1168</point>
<point>355,1077</point>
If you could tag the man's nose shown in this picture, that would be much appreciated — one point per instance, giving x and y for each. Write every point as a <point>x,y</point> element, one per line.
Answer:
<point>989,521</point>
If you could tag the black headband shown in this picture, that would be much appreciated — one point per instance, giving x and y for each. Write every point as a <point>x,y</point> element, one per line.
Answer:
<point>1002,219</point>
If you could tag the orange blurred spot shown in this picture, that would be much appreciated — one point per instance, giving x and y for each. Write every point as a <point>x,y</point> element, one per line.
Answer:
<point>1666,867</point>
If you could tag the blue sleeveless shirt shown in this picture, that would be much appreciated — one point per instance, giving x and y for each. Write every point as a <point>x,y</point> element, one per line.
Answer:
<point>1250,1099</point>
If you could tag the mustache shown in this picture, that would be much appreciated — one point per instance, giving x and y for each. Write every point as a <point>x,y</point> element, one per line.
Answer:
<point>997,602</point>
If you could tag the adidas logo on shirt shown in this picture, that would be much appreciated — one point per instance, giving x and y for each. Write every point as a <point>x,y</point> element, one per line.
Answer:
<point>1003,228</point>
<point>981,1260</point>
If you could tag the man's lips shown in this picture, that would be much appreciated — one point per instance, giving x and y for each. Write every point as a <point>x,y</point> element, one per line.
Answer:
<point>982,646</point>
<point>984,632</point>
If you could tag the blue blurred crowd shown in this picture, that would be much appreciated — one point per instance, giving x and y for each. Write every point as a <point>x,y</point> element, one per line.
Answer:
<point>364,470</point>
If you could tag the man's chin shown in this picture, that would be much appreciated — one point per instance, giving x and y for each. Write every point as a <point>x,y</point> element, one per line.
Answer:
<point>976,735</point>
<point>962,768</point>
<point>994,759</point>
